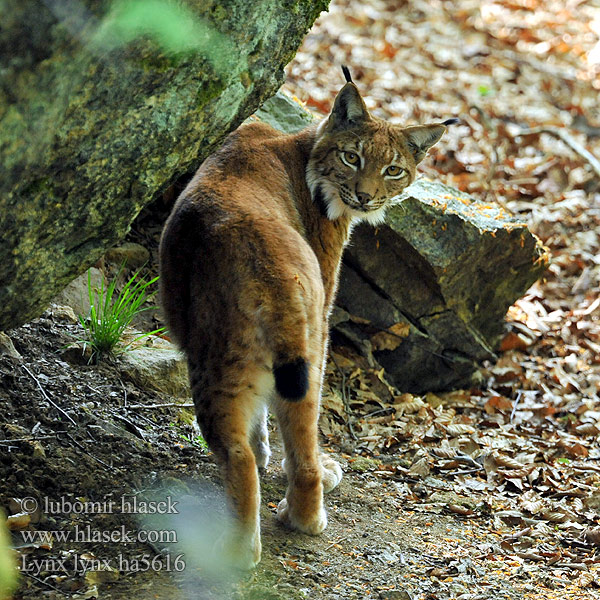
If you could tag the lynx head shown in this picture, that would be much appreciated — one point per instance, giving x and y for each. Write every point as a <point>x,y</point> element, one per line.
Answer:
<point>359,162</point>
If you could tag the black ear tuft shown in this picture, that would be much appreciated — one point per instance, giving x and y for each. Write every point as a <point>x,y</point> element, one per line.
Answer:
<point>291,379</point>
<point>346,72</point>
<point>452,121</point>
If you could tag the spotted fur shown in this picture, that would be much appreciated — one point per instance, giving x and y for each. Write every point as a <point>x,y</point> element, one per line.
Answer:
<point>386,161</point>
<point>249,262</point>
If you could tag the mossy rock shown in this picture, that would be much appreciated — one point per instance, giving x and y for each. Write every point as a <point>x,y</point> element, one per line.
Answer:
<point>446,266</point>
<point>96,120</point>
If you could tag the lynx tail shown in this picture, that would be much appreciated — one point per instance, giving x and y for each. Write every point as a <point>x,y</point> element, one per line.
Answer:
<point>291,379</point>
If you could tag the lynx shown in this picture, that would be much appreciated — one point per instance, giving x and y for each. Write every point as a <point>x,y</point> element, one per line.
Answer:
<point>249,259</point>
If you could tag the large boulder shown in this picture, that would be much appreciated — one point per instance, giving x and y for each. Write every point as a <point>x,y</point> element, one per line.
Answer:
<point>425,294</point>
<point>96,119</point>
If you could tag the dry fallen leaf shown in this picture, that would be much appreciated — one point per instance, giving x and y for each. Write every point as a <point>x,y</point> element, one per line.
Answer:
<point>498,404</point>
<point>391,338</point>
<point>18,521</point>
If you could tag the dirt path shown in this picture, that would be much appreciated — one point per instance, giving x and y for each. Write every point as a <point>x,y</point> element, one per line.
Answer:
<point>390,535</point>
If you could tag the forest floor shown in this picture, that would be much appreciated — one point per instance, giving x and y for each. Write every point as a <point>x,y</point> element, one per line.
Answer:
<point>420,519</point>
<point>483,493</point>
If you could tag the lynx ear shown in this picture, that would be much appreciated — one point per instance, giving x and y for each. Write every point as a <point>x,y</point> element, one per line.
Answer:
<point>422,137</point>
<point>349,109</point>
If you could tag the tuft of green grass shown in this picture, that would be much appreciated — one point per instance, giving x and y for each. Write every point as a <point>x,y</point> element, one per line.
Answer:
<point>111,312</point>
<point>197,440</point>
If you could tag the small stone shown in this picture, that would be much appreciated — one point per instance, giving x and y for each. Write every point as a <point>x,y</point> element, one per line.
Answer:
<point>38,449</point>
<point>162,368</point>
<point>63,313</point>
<point>395,595</point>
<point>450,498</point>
<point>361,464</point>
<point>14,430</point>
<point>7,348</point>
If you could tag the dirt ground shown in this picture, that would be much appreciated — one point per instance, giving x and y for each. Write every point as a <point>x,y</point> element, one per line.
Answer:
<point>398,537</point>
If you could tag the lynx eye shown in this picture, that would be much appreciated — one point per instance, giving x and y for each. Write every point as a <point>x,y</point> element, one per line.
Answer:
<point>350,158</point>
<point>394,171</point>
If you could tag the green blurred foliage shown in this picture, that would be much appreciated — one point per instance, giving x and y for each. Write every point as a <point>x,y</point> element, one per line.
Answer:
<point>8,571</point>
<point>174,27</point>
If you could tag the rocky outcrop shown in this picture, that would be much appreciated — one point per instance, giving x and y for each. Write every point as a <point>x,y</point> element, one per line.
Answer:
<point>102,108</point>
<point>425,294</point>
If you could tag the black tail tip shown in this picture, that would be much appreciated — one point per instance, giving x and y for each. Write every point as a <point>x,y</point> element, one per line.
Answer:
<point>452,121</point>
<point>346,72</point>
<point>291,379</point>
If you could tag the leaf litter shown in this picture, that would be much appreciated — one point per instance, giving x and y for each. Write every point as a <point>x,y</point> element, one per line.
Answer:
<point>520,452</point>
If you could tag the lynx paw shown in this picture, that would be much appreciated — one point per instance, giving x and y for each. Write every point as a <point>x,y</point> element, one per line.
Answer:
<point>313,525</point>
<point>332,472</point>
<point>239,551</point>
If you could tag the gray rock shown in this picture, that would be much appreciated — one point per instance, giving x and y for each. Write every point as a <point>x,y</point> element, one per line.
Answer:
<point>284,113</point>
<point>159,367</point>
<point>438,278</point>
<point>94,123</point>
<point>76,295</point>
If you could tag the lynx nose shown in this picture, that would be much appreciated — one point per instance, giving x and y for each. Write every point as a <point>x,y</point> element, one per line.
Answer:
<point>364,198</point>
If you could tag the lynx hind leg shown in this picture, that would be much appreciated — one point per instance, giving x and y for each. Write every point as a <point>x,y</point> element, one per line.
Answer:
<point>226,420</point>
<point>302,508</point>
<point>259,439</point>
<point>241,545</point>
<point>331,472</point>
